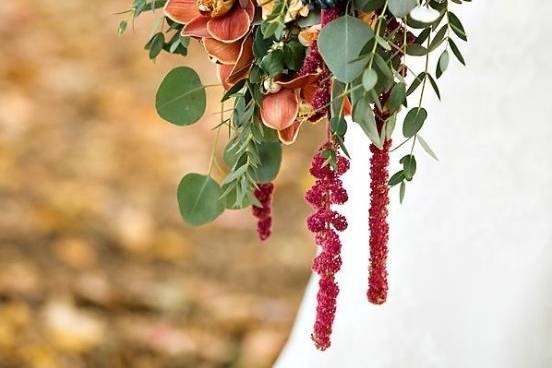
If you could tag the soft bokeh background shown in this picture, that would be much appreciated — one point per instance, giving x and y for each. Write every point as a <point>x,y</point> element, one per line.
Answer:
<point>96,267</point>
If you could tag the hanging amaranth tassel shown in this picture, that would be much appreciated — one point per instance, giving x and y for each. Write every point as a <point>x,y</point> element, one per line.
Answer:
<point>327,190</point>
<point>379,192</point>
<point>379,228</point>
<point>263,193</point>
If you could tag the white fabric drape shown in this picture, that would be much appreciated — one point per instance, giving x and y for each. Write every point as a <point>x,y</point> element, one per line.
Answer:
<point>470,257</point>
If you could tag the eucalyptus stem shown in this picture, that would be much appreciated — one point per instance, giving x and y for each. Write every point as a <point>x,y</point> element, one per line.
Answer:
<point>377,35</point>
<point>425,74</point>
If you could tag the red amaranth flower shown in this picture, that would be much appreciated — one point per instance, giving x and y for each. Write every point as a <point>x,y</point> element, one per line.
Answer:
<point>324,222</point>
<point>379,228</point>
<point>314,63</point>
<point>263,193</point>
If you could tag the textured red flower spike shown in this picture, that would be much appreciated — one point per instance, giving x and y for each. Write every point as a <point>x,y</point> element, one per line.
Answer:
<point>379,196</point>
<point>324,223</point>
<point>314,63</point>
<point>327,190</point>
<point>263,193</point>
<point>379,228</point>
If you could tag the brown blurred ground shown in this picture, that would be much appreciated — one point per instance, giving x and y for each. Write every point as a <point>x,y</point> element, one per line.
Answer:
<point>96,267</point>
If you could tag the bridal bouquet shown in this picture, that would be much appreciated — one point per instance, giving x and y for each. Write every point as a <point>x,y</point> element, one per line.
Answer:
<point>286,65</point>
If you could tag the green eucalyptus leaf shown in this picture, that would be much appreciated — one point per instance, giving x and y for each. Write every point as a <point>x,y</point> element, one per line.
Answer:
<point>397,178</point>
<point>456,51</point>
<point>396,97</point>
<point>434,86</point>
<point>390,126</point>
<point>442,64</point>
<point>270,155</point>
<point>426,147</point>
<point>231,201</point>
<point>122,27</point>
<point>369,79</point>
<point>273,63</point>
<point>364,116</point>
<point>423,36</point>
<point>294,54</point>
<point>338,125</point>
<point>233,90</point>
<point>402,192</point>
<point>416,50</point>
<point>356,91</point>
<point>384,69</point>
<point>198,199</point>
<point>415,83</point>
<point>261,45</point>
<point>336,105</point>
<point>409,166</point>
<point>439,38</point>
<point>340,42</point>
<point>413,121</point>
<point>156,45</point>
<point>269,134</point>
<point>401,8</point>
<point>457,26</point>
<point>181,97</point>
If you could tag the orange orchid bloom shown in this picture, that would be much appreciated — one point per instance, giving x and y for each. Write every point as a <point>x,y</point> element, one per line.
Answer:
<point>290,106</point>
<point>287,109</point>
<point>222,26</point>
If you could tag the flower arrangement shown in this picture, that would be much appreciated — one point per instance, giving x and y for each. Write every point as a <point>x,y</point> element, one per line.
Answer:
<point>289,64</point>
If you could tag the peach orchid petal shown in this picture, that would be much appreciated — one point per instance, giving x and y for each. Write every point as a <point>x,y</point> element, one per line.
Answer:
<point>289,135</point>
<point>250,9</point>
<point>223,72</point>
<point>231,27</point>
<point>243,64</point>
<point>308,91</point>
<point>279,110</point>
<point>298,82</point>
<point>197,27</point>
<point>224,53</point>
<point>181,11</point>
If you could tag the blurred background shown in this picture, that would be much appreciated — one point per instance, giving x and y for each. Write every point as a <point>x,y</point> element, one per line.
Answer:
<point>96,267</point>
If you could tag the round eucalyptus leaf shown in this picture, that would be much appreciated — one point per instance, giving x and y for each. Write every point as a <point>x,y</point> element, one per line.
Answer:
<point>338,125</point>
<point>181,97</point>
<point>198,199</point>
<point>369,79</point>
<point>271,159</point>
<point>413,121</point>
<point>401,8</point>
<point>340,43</point>
<point>396,97</point>
<point>442,64</point>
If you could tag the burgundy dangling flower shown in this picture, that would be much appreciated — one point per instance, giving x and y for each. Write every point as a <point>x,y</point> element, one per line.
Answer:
<point>379,196</point>
<point>324,222</point>
<point>314,63</point>
<point>379,229</point>
<point>263,193</point>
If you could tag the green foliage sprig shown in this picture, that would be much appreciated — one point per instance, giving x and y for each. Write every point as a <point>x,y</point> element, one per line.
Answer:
<point>367,51</point>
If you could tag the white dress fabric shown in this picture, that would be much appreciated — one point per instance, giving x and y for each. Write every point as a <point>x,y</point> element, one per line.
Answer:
<point>470,261</point>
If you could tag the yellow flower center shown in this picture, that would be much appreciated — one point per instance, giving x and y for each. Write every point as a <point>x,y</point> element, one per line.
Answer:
<point>214,8</point>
